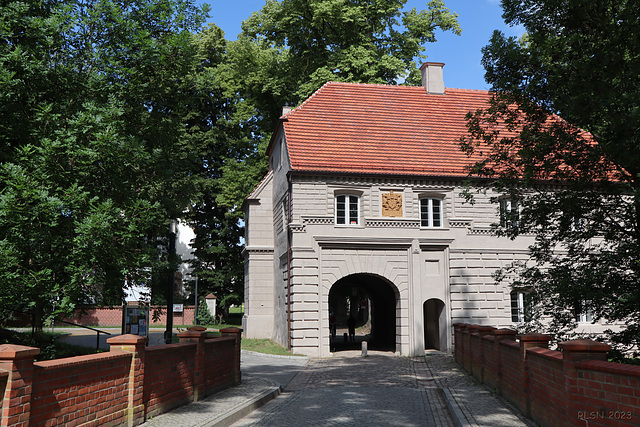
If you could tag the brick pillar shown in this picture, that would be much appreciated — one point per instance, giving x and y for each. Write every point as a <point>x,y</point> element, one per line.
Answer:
<point>17,360</point>
<point>237,334</point>
<point>501,335</point>
<point>468,346</point>
<point>135,345</point>
<point>196,334</point>
<point>479,361</point>
<point>529,341</point>
<point>457,342</point>
<point>573,352</point>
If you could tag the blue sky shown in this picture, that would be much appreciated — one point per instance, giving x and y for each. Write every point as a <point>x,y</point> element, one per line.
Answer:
<point>461,54</point>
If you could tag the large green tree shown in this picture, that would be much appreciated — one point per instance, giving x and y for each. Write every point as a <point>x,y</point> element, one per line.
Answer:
<point>286,51</point>
<point>579,193</point>
<point>93,157</point>
<point>220,131</point>
<point>296,46</point>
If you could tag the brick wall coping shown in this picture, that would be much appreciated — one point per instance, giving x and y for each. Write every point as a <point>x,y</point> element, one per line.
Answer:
<point>505,332</point>
<point>489,337</point>
<point>4,373</point>
<point>14,351</point>
<point>231,330</point>
<point>127,339</point>
<point>610,367</point>
<point>534,337</point>
<point>81,360</point>
<point>168,347</point>
<point>546,353</point>
<point>584,345</point>
<point>218,339</point>
<point>509,343</point>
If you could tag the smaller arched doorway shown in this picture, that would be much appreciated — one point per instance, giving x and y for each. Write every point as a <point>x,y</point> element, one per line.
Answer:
<point>434,323</point>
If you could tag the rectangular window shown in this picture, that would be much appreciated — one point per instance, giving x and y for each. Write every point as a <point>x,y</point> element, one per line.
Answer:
<point>517,307</point>
<point>347,209</point>
<point>509,213</point>
<point>585,314</point>
<point>430,212</point>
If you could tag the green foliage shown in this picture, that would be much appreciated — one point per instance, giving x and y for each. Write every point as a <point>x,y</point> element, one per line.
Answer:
<point>93,159</point>
<point>204,315</point>
<point>578,60</point>
<point>285,52</point>
<point>299,45</point>
<point>50,347</point>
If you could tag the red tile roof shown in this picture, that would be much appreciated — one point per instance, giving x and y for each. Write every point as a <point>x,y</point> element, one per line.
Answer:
<point>381,129</point>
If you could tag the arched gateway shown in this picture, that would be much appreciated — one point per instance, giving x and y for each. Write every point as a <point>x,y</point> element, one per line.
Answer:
<point>370,303</point>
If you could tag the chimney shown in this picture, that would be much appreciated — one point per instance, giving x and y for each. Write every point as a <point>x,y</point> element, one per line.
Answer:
<point>286,109</point>
<point>432,79</point>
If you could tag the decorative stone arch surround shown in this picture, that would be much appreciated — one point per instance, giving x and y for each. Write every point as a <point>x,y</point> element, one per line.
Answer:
<point>388,261</point>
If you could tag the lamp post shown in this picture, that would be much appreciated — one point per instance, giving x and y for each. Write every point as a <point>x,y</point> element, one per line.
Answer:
<point>195,314</point>
<point>168,334</point>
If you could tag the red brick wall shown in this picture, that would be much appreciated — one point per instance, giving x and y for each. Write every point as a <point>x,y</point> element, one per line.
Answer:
<point>607,394</point>
<point>112,316</point>
<point>3,384</point>
<point>572,387</point>
<point>546,385</point>
<point>511,380</point>
<point>491,372</point>
<point>219,362</point>
<point>77,390</point>
<point>125,386</point>
<point>169,377</point>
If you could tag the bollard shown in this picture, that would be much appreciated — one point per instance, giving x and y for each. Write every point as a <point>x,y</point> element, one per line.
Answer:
<point>364,349</point>
<point>345,337</point>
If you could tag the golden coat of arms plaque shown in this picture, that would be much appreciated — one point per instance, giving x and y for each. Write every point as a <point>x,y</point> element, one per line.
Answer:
<point>392,204</point>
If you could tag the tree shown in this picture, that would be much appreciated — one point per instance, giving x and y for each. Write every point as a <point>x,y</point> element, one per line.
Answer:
<point>219,132</point>
<point>305,43</point>
<point>579,193</point>
<point>93,160</point>
<point>286,51</point>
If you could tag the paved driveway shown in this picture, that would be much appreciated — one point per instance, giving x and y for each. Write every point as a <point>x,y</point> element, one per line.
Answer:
<point>384,390</point>
<point>379,390</point>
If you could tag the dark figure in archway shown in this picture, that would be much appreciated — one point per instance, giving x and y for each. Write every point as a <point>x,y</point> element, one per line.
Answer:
<point>351,324</point>
<point>333,323</point>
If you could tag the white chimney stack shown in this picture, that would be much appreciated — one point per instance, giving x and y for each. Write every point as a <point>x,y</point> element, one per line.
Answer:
<point>432,78</point>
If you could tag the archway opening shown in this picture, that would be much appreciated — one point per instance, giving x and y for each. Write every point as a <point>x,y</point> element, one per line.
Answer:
<point>433,310</point>
<point>370,302</point>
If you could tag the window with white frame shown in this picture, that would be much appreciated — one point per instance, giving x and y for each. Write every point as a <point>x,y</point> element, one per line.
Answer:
<point>585,314</point>
<point>347,209</point>
<point>518,306</point>
<point>509,212</point>
<point>431,212</point>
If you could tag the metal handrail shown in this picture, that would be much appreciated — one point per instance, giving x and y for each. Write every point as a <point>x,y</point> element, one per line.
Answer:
<point>98,331</point>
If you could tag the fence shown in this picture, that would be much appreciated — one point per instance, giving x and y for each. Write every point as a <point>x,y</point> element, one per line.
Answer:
<point>124,386</point>
<point>572,387</point>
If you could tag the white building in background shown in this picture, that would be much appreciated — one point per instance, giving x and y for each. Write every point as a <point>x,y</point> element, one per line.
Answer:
<point>184,237</point>
<point>361,215</point>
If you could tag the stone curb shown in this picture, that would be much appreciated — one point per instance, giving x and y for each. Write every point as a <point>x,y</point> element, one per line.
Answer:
<point>454,409</point>
<point>274,356</point>
<point>238,412</point>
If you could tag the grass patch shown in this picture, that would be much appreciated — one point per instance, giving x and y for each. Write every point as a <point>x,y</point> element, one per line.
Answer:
<point>265,346</point>
<point>237,310</point>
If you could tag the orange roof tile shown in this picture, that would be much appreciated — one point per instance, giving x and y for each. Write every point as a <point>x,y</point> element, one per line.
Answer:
<point>381,129</point>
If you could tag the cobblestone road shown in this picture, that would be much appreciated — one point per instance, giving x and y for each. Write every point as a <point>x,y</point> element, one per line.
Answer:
<point>356,391</point>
